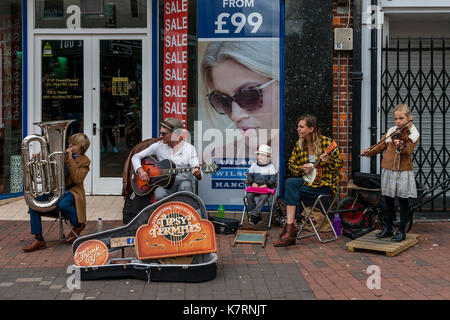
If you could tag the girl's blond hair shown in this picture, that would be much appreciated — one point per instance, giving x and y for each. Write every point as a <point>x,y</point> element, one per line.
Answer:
<point>405,109</point>
<point>81,140</point>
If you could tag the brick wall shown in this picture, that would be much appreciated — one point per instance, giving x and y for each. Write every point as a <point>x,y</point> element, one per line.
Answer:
<point>342,66</point>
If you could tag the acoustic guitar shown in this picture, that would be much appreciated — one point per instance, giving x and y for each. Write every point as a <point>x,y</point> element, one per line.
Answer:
<point>162,174</point>
<point>316,172</point>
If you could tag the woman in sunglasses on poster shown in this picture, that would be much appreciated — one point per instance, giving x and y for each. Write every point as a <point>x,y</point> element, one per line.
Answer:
<point>241,80</point>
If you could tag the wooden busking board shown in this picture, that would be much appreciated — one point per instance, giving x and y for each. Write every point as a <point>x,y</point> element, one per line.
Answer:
<point>250,236</point>
<point>369,242</point>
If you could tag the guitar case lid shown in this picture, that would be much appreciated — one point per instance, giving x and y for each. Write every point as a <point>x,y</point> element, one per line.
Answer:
<point>224,225</point>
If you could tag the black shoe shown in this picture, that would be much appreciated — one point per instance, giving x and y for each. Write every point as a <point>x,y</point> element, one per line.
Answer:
<point>384,234</point>
<point>254,220</point>
<point>399,236</point>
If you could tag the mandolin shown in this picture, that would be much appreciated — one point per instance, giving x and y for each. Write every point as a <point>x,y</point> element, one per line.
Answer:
<point>316,172</point>
<point>162,174</point>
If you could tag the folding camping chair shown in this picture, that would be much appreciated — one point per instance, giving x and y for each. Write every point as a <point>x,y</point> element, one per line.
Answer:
<point>56,214</point>
<point>325,204</point>
<point>270,202</point>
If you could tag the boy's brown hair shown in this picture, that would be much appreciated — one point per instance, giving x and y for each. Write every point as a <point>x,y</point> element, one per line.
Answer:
<point>81,140</point>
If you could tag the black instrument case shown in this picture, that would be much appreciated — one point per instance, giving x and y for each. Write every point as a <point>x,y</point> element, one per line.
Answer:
<point>202,268</point>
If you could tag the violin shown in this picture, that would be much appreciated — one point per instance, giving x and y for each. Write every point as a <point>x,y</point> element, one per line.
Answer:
<point>401,132</point>
<point>402,135</point>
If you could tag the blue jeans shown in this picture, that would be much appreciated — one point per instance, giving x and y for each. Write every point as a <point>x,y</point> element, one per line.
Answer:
<point>295,191</point>
<point>67,206</point>
<point>179,185</point>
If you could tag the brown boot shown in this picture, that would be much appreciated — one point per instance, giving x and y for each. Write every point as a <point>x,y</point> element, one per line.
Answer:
<point>283,231</point>
<point>35,245</point>
<point>287,237</point>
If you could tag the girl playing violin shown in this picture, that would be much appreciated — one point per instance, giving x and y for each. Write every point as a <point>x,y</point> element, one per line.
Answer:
<point>397,176</point>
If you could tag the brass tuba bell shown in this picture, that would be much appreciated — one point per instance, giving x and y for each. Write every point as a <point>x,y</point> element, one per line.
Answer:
<point>44,173</point>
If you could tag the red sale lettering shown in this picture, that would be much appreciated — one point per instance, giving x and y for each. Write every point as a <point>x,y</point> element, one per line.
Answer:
<point>176,40</point>
<point>175,74</point>
<point>175,91</point>
<point>175,108</point>
<point>175,59</point>
<point>175,7</point>
<point>176,24</point>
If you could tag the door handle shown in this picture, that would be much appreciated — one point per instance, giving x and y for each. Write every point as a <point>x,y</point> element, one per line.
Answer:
<point>94,129</point>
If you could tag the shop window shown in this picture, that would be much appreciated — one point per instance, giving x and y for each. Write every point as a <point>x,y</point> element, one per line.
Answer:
<point>93,13</point>
<point>220,74</point>
<point>11,97</point>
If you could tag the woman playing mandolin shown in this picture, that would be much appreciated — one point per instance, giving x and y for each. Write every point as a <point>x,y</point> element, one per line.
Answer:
<point>310,147</point>
<point>397,176</point>
<point>174,148</point>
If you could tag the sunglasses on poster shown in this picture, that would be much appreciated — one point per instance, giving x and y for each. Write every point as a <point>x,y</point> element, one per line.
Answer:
<point>249,99</point>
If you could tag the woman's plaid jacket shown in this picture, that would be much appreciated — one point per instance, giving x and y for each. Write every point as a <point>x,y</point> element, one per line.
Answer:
<point>330,169</point>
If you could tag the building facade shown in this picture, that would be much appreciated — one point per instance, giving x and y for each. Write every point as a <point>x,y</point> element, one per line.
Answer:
<point>105,65</point>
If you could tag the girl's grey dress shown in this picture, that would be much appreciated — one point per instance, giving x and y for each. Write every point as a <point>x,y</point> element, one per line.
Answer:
<point>398,183</point>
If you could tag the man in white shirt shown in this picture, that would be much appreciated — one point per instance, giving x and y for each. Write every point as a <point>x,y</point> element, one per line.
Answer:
<point>172,147</point>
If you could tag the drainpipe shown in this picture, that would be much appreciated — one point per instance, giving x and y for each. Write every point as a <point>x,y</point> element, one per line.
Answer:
<point>357,77</point>
<point>373,91</point>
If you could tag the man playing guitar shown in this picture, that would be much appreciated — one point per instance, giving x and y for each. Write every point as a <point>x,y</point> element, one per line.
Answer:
<point>172,147</point>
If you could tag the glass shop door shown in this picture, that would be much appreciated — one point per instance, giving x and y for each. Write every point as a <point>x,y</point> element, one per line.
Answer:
<point>96,81</point>
<point>116,108</point>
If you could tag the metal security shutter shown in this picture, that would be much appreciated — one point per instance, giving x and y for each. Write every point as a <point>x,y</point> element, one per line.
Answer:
<point>416,73</point>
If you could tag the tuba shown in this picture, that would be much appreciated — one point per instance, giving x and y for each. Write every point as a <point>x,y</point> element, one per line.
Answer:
<point>43,174</point>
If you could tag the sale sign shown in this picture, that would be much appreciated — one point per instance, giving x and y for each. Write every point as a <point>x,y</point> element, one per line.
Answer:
<point>175,59</point>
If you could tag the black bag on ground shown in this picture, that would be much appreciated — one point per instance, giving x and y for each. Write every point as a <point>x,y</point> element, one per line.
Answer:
<point>279,213</point>
<point>224,225</point>
<point>367,180</point>
<point>133,205</point>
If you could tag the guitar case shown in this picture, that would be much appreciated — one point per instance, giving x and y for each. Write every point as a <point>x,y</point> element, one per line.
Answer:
<point>224,225</point>
<point>133,205</point>
<point>203,267</point>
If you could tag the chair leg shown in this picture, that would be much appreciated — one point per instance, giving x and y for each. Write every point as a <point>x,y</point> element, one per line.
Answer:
<point>325,213</point>
<point>307,218</point>
<point>271,204</point>
<point>326,217</point>
<point>244,211</point>
<point>61,228</point>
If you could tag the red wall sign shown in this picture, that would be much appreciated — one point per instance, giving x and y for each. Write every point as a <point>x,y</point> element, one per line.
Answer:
<point>175,59</point>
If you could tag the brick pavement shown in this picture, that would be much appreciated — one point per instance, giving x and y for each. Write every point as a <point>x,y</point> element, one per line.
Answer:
<point>308,271</point>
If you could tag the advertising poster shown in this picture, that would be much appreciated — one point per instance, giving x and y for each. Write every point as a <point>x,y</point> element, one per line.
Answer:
<point>175,62</point>
<point>239,92</point>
